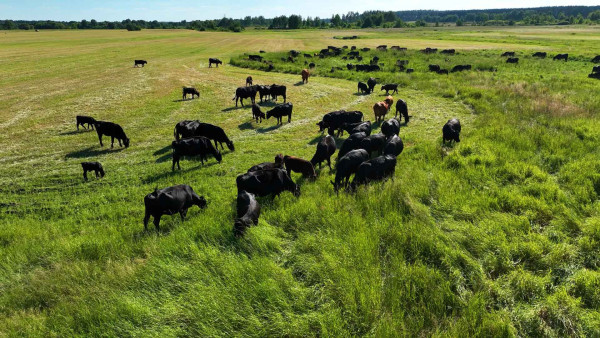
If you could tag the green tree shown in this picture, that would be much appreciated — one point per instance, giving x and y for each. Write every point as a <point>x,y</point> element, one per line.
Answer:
<point>367,23</point>
<point>294,21</point>
<point>336,21</point>
<point>8,25</point>
<point>594,16</point>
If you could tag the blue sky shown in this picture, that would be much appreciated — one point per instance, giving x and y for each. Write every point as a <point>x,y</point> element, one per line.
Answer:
<point>176,10</point>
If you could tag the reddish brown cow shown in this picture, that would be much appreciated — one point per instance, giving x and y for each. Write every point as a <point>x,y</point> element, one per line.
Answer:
<point>380,109</point>
<point>389,100</point>
<point>305,75</point>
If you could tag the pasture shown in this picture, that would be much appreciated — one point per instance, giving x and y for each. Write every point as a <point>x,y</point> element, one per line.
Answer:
<point>498,235</point>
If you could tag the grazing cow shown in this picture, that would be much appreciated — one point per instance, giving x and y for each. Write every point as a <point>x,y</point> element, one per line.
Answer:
<point>83,120</point>
<point>429,50</point>
<point>353,128</point>
<point>294,53</point>
<point>401,63</point>
<point>561,57</point>
<point>305,75</point>
<point>267,182</point>
<point>371,83</point>
<point>244,93</point>
<point>388,87</point>
<point>508,54</point>
<point>596,69</point>
<point>185,129</point>
<point>540,55</point>
<point>197,146</point>
<point>354,53</point>
<point>257,113</point>
<point>311,66</point>
<point>402,108</point>
<point>512,60</point>
<point>280,111</point>
<point>325,149</point>
<point>409,70</point>
<point>351,143</point>
<point>307,55</point>
<point>264,91</point>
<point>460,68</point>
<point>169,201</point>
<point>376,169</point>
<point>382,48</point>
<point>334,120</point>
<point>347,165</point>
<point>390,127</point>
<point>137,63</point>
<point>362,88</point>
<point>349,66</point>
<point>189,91</point>
<point>298,165</point>
<point>451,131</point>
<point>443,71</point>
<point>96,167</point>
<point>373,143</point>
<point>214,133</point>
<point>380,109</point>
<point>393,146</point>
<point>366,49</point>
<point>248,212</point>
<point>596,59</point>
<point>290,59</point>
<point>594,76</point>
<point>255,58</point>
<point>249,81</point>
<point>434,68</point>
<point>215,61</point>
<point>448,51</point>
<point>114,131</point>
<point>277,90</point>
<point>261,51</point>
<point>278,164</point>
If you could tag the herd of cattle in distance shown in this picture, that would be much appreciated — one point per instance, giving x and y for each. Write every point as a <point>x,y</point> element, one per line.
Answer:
<point>195,138</point>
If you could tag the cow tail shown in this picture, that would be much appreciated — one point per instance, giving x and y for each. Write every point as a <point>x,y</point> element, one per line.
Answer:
<point>234,97</point>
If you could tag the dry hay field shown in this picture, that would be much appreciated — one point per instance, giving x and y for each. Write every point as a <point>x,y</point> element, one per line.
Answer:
<point>498,235</point>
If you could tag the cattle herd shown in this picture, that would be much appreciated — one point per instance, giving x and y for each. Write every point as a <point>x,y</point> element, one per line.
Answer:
<point>355,155</point>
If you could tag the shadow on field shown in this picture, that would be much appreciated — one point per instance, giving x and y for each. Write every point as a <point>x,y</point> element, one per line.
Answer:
<point>162,150</point>
<point>183,100</point>
<point>267,104</point>
<point>92,151</point>
<point>65,133</point>
<point>361,94</point>
<point>245,126</point>
<point>268,129</point>
<point>299,83</point>
<point>234,108</point>
<point>184,168</point>
<point>317,138</point>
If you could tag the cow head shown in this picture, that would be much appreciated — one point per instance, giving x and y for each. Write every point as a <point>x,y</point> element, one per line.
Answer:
<point>230,145</point>
<point>296,190</point>
<point>200,202</point>
<point>126,142</point>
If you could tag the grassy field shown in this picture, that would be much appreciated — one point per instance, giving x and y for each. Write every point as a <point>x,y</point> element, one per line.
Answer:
<point>498,235</point>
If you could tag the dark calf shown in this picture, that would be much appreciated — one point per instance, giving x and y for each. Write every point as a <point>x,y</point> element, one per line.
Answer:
<point>137,63</point>
<point>451,131</point>
<point>390,127</point>
<point>561,57</point>
<point>278,164</point>
<point>248,212</point>
<point>257,114</point>
<point>169,201</point>
<point>402,108</point>
<point>512,60</point>
<point>83,120</point>
<point>280,111</point>
<point>508,54</point>
<point>362,88</point>
<point>434,68</point>
<point>114,131</point>
<point>325,149</point>
<point>189,91</point>
<point>540,55</point>
<point>298,165</point>
<point>249,81</point>
<point>96,167</point>
<point>388,87</point>
<point>212,61</point>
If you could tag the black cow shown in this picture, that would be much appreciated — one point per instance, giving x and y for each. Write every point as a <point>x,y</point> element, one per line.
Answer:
<point>264,91</point>
<point>114,131</point>
<point>402,108</point>
<point>374,170</point>
<point>169,201</point>
<point>347,165</point>
<point>325,149</point>
<point>354,53</point>
<point>353,128</point>
<point>390,127</point>
<point>594,76</point>
<point>311,65</point>
<point>185,129</point>
<point>351,143</point>
<point>243,93</point>
<point>137,63</point>
<point>96,167</point>
<point>448,51</point>
<point>280,111</point>
<point>451,131</point>
<point>249,81</point>
<point>443,71</point>
<point>334,120</point>
<point>596,69</point>
<point>257,113</point>
<point>460,68</point>
<point>388,87</point>
<point>277,90</point>
<point>294,53</point>
<point>196,146</point>
<point>561,57</point>
<point>429,50</point>
<point>350,66</point>
<point>255,58</point>
<point>214,133</point>
<point>409,70</point>
<point>307,55</point>
<point>267,182</point>
<point>596,59</point>
<point>371,83</point>
<point>393,146</point>
<point>278,164</point>
<point>190,90</point>
<point>83,120</point>
<point>434,68</point>
<point>215,61</point>
<point>540,55</point>
<point>373,143</point>
<point>362,88</point>
<point>248,212</point>
<point>366,49</point>
<point>512,60</point>
<point>508,54</point>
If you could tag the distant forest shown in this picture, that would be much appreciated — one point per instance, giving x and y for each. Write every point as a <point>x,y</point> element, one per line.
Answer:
<point>564,15</point>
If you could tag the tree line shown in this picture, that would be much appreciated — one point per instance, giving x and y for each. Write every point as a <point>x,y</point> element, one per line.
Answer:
<point>525,16</point>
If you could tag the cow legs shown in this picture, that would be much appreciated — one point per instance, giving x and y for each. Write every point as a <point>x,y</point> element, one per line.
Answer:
<point>100,138</point>
<point>290,118</point>
<point>85,174</point>
<point>112,141</point>
<point>97,173</point>
<point>146,218</point>
<point>77,126</point>
<point>328,163</point>
<point>157,222</point>
<point>120,145</point>
<point>183,213</point>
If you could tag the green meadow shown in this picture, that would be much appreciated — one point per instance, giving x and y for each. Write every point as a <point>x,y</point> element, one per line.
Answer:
<point>498,235</point>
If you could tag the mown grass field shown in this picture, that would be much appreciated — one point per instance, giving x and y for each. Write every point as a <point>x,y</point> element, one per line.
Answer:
<point>498,235</point>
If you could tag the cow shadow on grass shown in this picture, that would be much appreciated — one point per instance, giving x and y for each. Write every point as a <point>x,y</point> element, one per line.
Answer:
<point>268,129</point>
<point>299,83</point>
<point>267,104</point>
<point>361,94</point>
<point>183,100</point>
<point>74,132</point>
<point>245,126</point>
<point>185,162</point>
<point>234,108</point>
<point>162,150</point>
<point>92,152</point>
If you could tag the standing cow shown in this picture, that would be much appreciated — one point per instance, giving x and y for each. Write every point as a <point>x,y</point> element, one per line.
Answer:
<point>169,201</point>
<point>212,61</point>
<point>305,75</point>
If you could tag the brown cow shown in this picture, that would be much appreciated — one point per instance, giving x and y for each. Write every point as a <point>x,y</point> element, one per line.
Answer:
<point>305,75</point>
<point>380,109</point>
<point>389,100</point>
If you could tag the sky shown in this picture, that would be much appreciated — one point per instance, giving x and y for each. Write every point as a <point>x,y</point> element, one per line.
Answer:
<point>177,10</point>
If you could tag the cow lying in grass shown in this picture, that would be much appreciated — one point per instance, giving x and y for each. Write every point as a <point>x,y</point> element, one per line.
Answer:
<point>96,167</point>
<point>197,146</point>
<point>169,201</point>
<point>248,212</point>
<point>114,131</point>
<point>83,120</point>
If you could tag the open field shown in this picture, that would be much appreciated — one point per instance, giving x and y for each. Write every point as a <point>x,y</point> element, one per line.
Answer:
<point>498,235</point>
